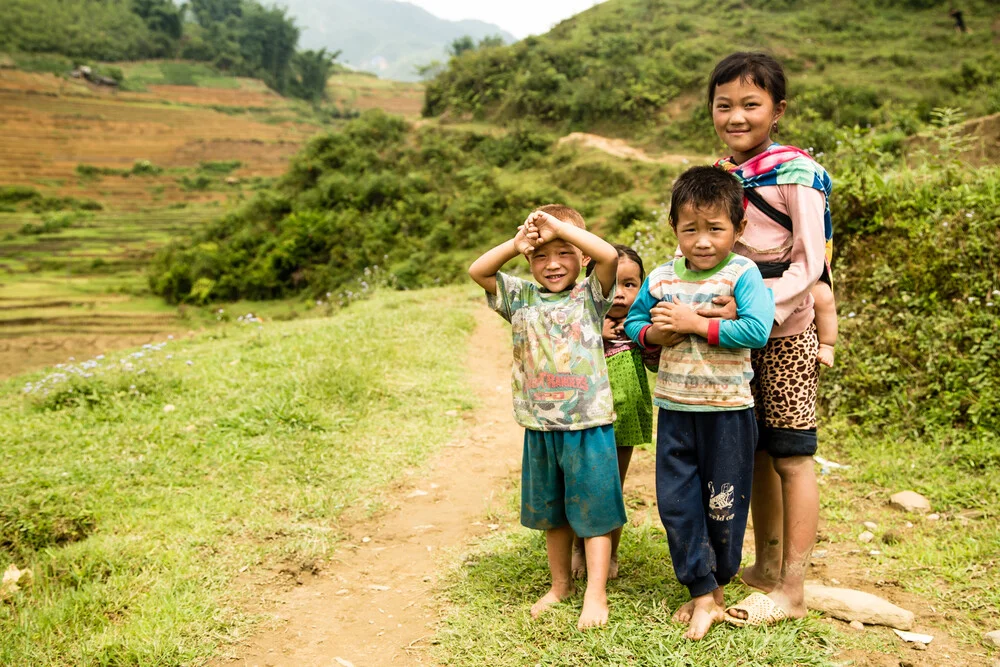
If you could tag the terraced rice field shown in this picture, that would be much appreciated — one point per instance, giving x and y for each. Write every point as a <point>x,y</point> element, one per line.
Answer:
<point>80,290</point>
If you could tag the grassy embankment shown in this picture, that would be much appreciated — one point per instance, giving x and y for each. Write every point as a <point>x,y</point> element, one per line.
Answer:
<point>636,69</point>
<point>138,488</point>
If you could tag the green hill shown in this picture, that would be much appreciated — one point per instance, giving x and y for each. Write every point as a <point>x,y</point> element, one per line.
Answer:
<point>637,67</point>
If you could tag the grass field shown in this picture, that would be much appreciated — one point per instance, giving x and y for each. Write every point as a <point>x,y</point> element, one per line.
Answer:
<point>140,488</point>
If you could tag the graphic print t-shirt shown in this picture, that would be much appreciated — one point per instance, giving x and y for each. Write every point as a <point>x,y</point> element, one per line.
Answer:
<point>559,379</point>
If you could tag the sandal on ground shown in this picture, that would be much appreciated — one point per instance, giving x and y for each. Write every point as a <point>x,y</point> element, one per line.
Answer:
<point>760,610</point>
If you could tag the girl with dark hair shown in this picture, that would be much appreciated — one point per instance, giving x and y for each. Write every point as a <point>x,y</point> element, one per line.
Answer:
<point>629,385</point>
<point>787,234</point>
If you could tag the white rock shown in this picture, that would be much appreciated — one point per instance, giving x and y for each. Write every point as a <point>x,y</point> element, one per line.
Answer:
<point>850,605</point>
<point>343,663</point>
<point>366,540</point>
<point>909,524</point>
<point>933,517</point>
<point>820,553</point>
<point>168,408</point>
<point>416,493</point>
<point>870,525</point>
<point>992,638</point>
<point>914,637</point>
<point>866,537</point>
<point>378,587</point>
<point>910,501</point>
<point>857,625</point>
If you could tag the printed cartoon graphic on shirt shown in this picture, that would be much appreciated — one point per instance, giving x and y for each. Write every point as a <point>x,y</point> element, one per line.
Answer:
<point>559,379</point>
<point>720,504</point>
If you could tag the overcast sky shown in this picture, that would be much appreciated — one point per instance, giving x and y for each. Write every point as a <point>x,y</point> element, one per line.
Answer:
<point>518,17</point>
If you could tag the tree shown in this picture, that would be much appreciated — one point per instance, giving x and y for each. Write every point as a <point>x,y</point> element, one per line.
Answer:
<point>161,16</point>
<point>491,40</point>
<point>267,39</point>
<point>461,45</point>
<point>310,71</point>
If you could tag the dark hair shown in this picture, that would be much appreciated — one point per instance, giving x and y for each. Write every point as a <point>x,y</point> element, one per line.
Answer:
<point>564,213</point>
<point>758,68</point>
<point>707,186</point>
<point>624,251</point>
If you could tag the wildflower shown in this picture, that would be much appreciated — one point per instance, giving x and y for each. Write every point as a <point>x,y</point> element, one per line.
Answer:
<point>968,215</point>
<point>189,362</point>
<point>99,357</point>
<point>996,292</point>
<point>972,299</point>
<point>851,314</point>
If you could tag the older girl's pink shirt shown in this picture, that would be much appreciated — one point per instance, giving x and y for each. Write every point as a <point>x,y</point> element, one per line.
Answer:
<point>764,240</point>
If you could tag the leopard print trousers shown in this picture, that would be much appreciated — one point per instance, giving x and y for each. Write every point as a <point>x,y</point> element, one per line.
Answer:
<point>786,377</point>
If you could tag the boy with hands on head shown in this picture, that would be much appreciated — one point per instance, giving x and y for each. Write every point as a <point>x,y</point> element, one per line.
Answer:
<point>562,396</point>
<point>706,430</point>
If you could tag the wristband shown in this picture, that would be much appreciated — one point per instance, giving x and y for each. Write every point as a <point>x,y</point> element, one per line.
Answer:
<point>713,332</point>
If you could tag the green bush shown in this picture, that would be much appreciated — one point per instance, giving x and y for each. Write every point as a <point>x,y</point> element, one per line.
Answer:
<point>374,196</point>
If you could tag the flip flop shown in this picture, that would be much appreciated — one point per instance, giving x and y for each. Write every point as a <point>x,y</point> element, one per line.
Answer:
<point>760,610</point>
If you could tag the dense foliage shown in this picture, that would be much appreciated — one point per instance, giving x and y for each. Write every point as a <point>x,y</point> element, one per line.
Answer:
<point>241,37</point>
<point>371,195</point>
<point>638,67</point>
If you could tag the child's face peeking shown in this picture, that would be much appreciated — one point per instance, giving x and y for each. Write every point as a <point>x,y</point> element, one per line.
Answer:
<point>629,283</point>
<point>744,115</point>
<point>556,265</point>
<point>706,235</point>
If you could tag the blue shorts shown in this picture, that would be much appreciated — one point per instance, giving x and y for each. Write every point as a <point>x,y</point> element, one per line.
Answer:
<point>571,477</point>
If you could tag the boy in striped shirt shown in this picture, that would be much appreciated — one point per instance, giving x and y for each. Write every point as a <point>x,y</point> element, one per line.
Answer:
<point>706,429</point>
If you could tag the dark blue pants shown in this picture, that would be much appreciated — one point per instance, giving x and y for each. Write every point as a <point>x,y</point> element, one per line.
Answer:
<point>704,471</point>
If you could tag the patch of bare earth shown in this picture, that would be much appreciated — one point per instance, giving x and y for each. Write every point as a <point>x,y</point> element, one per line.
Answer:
<point>373,604</point>
<point>622,149</point>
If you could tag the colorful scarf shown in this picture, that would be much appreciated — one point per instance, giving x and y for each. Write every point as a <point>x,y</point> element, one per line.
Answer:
<point>782,165</point>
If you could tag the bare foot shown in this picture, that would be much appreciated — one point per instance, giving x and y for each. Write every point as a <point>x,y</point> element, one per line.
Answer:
<point>613,568</point>
<point>751,578</point>
<point>579,563</point>
<point>706,612</point>
<point>683,613</point>
<point>595,611</point>
<point>554,596</point>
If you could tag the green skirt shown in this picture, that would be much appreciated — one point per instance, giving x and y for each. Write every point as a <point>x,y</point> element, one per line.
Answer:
<point>633,402</point>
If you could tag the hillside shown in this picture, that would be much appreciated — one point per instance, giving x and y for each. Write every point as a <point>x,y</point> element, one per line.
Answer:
<point>386,37</point>
<point>637,67</point>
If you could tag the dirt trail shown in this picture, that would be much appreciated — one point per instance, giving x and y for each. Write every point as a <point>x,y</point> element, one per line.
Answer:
<point>621,149</point>
<point>374,604</point>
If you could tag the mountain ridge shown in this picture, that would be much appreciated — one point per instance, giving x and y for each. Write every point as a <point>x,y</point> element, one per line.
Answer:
<point>386,37</point>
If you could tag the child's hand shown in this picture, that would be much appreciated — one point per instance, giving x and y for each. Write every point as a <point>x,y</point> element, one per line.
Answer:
<point>542,227</point>
<point>825,355</point>
<point>724,307</point>
<point>522,243</point>
<point>613,329</point>
<point>675,317</point>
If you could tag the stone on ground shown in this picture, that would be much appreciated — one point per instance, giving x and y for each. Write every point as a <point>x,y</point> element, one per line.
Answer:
<point>850,605</point>
<point>992,638</point>
<point>910,501</point>
<point>857,625</point>
<point>866,537</point>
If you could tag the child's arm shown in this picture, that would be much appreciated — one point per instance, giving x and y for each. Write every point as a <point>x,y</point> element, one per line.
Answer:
<point>638,322</point>
<point>484,270</point>
<point>754,311</point>
<point>826,322</point>
<point>602,254</point>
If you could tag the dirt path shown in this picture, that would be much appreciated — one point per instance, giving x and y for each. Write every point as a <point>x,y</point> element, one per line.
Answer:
<point>374,604</point>
<point>621,149</point>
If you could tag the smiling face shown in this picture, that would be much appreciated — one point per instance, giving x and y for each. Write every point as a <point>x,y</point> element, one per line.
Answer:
<point>706,235</point>
<point>629,282</point>
<point>744,115</point>
<point>556,265</point>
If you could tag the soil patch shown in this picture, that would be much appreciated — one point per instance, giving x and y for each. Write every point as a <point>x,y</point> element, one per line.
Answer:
<point>374,604</point>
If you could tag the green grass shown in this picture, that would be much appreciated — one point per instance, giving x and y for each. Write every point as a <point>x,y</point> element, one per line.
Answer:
<point>136,519</point>
<point>493,590</point>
